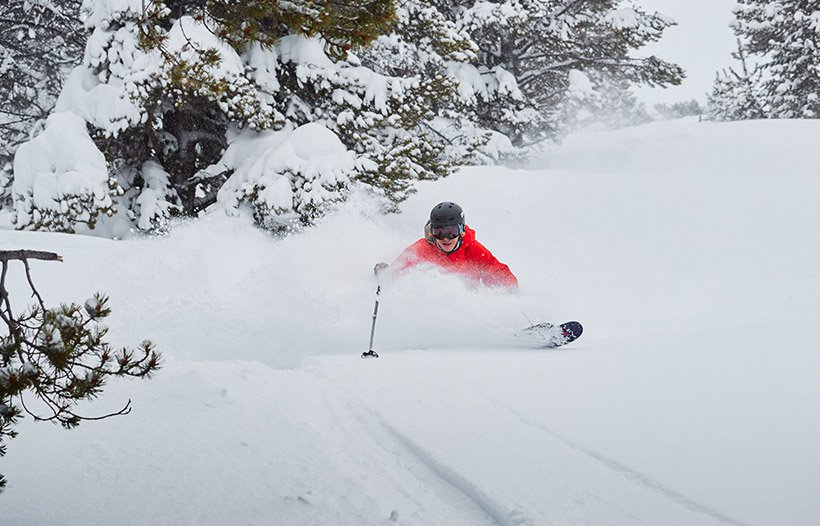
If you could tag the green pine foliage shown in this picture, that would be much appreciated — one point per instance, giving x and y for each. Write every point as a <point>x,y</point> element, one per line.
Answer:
<point>59,357</point>
<point>343,25</point>
<point>425,136</point>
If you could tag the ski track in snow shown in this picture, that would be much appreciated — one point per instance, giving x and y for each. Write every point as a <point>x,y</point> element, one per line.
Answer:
<point>452,478</point>
<point>618,467</point>
<point>465,499</point>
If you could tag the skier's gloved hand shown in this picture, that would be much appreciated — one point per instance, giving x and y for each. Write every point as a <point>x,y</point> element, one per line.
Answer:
<point>379,268</point>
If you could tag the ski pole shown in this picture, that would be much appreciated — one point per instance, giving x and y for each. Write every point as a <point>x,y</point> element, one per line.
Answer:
<point>370,352</point>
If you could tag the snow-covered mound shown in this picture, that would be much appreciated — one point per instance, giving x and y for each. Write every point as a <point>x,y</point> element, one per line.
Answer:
<point>686,147</point>
<point>686,249</point>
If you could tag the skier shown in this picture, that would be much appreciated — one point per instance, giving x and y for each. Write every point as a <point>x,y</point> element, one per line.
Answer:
<point>449,243</point>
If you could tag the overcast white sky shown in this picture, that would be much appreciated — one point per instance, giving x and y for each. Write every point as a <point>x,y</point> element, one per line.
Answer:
<point>701,44</point>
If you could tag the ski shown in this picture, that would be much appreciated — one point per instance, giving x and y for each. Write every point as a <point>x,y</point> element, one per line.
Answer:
<point>549,336</point>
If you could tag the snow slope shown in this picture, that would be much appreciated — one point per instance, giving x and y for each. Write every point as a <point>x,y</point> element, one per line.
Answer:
<point>687,249</point>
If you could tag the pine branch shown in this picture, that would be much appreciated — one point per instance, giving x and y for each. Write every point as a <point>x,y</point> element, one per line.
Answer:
<point>51,354</point>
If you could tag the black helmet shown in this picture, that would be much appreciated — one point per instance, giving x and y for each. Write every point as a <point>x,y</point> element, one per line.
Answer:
<point>445,214</point>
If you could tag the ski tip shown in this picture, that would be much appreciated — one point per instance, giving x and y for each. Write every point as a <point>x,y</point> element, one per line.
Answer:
<point>574,328</point>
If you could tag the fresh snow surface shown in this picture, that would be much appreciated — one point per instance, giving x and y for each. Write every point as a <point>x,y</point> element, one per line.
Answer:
<point>688,250</point>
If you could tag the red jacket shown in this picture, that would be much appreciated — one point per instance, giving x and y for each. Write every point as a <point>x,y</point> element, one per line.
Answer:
<point>471,259</point>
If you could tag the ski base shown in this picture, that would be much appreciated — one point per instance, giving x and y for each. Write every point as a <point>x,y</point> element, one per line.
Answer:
<point>549,336</point>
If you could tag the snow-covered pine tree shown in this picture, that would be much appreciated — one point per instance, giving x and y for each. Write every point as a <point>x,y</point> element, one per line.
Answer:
<point>40,41</point>
<point>785,37</point>
<point>736,94</point>
<point>255,66</point>
<point>422,46</point>
<point>383,99</point>
<point>528,50</point>
<point>677,110</point>
<point>173,91</point>
<point>139,69</point>
<point>734,97</point>
<point>596,101</point>
<point>621,106</point>
<point>490,85</point>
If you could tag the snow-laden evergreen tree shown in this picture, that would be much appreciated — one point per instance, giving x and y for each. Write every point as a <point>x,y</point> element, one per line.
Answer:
<point>529,49</point>
<point>383,101</point>
<point>40,41</point>
<point>173,90</point>
<point>734,97</point>
<point>784,36</point>
<point>596,101</point>
<point>425,45</point>
<point>677,110</point>
<point>737,94</point>
<point>620,107</point>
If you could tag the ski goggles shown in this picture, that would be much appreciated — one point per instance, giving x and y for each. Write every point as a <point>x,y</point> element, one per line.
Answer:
<point>446,232</point>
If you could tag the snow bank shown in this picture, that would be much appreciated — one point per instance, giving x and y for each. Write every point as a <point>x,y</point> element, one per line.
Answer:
<point>690,148</point>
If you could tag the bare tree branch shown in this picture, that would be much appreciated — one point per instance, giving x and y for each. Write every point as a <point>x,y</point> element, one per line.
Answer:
<point>22,255</point>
